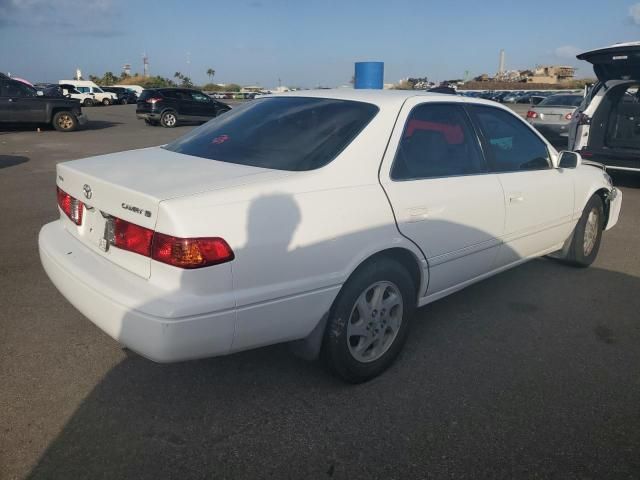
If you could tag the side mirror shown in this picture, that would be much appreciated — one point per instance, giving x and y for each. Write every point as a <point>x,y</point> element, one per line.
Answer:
<point>569,159</point>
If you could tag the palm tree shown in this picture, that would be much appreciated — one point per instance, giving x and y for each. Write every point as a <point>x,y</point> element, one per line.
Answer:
<point>211,73</point>
<point>177,75</point>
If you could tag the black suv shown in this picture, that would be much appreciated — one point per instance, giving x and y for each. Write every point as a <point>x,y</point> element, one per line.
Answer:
<point>20,103</point>
<point>124,94</point>
<point>168,106</point>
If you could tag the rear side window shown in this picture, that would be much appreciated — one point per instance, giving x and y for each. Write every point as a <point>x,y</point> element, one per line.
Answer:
<point>147,94</point>
<point>437,141</point>
<point>286,133</point>
<point>562,101</point>
<point>200,97</point>
<point>511,145</point>
<point>19,89</point>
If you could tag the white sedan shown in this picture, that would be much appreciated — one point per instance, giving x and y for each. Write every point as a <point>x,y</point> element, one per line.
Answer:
<point>319,218</point>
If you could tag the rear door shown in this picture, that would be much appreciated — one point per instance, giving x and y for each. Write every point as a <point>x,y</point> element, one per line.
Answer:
<point>443,196</point>
<point>538,197</point>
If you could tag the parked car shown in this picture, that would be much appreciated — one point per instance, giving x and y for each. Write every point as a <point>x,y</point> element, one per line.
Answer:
<point>137,89</point>
<point>124,95</point>
<point>69,91</point>
<point>552,115</point>
<point>511,97</point>
<point>170,106</point>
<point>49,89</point>
<point>606,126</point>
<point>319,217</point>
<point>530,98</point>
<point>87,86</point>
<point>20,103</point>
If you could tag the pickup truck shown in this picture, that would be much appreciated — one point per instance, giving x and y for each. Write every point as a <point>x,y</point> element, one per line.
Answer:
<point>20,103</point>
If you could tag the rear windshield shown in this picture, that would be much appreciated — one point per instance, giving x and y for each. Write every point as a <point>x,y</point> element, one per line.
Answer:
<point>562,101</point>
<point>146,94</point>
<point>286,133</point>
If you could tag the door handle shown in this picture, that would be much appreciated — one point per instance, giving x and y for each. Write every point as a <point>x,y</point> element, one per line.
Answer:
<point>516,197</point>
<point>10,100</point>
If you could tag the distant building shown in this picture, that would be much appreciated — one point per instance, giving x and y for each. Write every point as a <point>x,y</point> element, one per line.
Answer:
<point>551,74</point>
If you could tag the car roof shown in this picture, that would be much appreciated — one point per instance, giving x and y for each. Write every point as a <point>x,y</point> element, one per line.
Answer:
<point>383,98</point>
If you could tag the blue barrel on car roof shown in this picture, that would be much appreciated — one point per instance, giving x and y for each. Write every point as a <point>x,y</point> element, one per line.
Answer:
<point>369,75</point>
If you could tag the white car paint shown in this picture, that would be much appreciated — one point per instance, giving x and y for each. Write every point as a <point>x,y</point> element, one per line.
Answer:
<point>297,236</point>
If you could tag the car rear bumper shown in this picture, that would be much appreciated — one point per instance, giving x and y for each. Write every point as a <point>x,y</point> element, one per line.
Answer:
<point>552,129</point>
<point>102,291</point>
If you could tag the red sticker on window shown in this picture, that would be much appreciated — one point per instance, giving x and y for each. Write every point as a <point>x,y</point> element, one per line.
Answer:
<point>220,139</point>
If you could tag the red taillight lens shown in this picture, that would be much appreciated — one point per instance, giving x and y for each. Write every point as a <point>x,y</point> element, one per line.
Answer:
<point>71,206</point>
<point>153,100</point>
<point>568,116</point>
<point>532,114</point>
<point>190,252</point>
<point>179,252</point>
<point>131,237</point>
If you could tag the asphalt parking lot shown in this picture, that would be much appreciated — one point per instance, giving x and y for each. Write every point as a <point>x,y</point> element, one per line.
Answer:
<point>534,373</point>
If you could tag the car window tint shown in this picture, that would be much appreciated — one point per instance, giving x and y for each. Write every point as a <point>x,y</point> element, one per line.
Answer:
<point>169,94</point>
<point>199,97</point>
<point>286,133</point>
<point>437,141</point>
<point>511,144</point>
<point>18,89</point>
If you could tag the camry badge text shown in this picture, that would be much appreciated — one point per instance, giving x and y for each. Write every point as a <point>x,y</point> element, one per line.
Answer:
<point>137,210</point>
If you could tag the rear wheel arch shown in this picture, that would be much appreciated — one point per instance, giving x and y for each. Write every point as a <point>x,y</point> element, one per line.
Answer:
<point>405,257</point>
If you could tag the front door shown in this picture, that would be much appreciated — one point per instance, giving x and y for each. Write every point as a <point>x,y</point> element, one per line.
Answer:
<point>24,104</point>
<point>538,196</point>
<point>443,196</point>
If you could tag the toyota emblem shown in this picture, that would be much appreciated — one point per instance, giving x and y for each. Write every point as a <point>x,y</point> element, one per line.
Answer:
<point>87,191</point>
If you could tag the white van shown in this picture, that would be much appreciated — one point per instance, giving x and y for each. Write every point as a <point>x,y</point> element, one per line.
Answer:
<point>136,88</point>
<point>87,86</point>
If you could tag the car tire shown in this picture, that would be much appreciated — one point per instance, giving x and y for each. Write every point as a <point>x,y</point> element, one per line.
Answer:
<point>124,101</point>
<point>169,119</point>
<point>106,102</point>
<point>64,121</point>
<point>87,102</point>
<point>369,321</point>
<point>587,235</point>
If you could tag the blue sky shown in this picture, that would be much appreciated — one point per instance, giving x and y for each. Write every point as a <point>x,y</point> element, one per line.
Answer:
<point>304,43</point>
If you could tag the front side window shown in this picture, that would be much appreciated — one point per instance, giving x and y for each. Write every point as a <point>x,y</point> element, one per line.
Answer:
<point>511,145</point>
<point>286,133</point>
<point>437,141</point>
<point>18,89</point>
<point>83,89</point>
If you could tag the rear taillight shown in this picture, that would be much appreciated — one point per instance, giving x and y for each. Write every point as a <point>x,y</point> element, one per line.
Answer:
<point>153,100</point>
<point>132,237</point>
<point>71,206</point>
<point>532,114</point>
<point>190,252</point>
<point>179,252</point>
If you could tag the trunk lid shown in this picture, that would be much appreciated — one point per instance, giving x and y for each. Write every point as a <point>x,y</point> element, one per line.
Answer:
<point>617,62</point>
<point>130,186</point>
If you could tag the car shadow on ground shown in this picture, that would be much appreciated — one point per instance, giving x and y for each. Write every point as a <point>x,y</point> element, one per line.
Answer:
<point>530,373</point>
<point>12,160</point>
